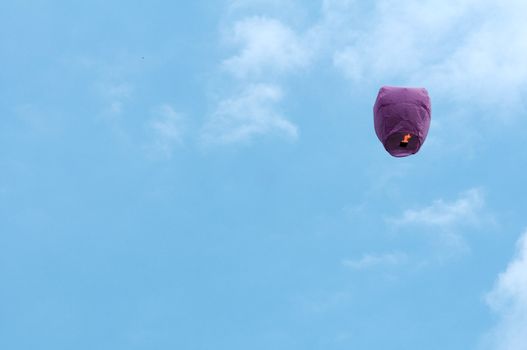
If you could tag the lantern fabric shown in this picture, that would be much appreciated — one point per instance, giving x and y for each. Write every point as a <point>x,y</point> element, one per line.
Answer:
<point>402,118</point>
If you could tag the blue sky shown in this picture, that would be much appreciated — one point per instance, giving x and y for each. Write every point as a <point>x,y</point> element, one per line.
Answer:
<point>205,175</point>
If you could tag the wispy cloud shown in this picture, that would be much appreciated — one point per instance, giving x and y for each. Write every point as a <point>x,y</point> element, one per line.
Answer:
<point>411,43</point>
<point>261,4</point>
<point>34,118</point>
<point>463,51</point>
<point>266,50</point>
<point>447,220</point>
<point>115,96</point>
<point>376,260</point>
<point>460,50</point>
<point>166,127</point>
<point>509,300</point>
<point>324,302</point>
<point>266,45</point>
<point>251,113</point>
<point>440,213</point>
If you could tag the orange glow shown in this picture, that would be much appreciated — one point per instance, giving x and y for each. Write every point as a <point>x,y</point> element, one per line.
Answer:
<point>406,138</point>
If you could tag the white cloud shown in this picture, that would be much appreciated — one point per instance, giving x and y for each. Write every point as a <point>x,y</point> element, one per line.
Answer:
<point>460,49</point>
<point>465,51</point>
<point>446,221</point>
<point>402,40</point>
<point>267,49</point>
<point>509,300</point>
<point>167,128</point>
<point>466,209</point>
<point>285,7</point>
<point>251,113</point>
<point>114,96</point>
<point>324,302</point>
<point>266,46</point>
<point>118,91</point>
<point>375,260</point>
<point>33,117</point>
<point>490,61</point>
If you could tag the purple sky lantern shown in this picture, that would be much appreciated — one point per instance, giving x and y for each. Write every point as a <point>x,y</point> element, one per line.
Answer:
<point>402,119</point>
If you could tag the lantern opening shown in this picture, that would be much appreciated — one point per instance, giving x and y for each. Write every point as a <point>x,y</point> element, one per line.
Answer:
<point>405,140</point>
<point>395,144</point>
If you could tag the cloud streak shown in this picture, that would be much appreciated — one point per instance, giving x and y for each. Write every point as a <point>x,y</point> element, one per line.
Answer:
<point>462,51</point>
<point>266,50</point>
<point>115,96</point>
<point>368,261</point>
<point>446,220</point>
<point>266,45</point>
<point>166,127</point>
<point>440,44</point>
<point>464,210</point>
<point>508,299</point>
<point>251,113</point>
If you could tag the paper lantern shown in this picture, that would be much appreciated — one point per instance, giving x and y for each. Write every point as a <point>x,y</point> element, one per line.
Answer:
<point>402,118</point>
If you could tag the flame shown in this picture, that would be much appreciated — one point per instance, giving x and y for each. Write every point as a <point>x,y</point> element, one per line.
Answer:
<point>406,138</point>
